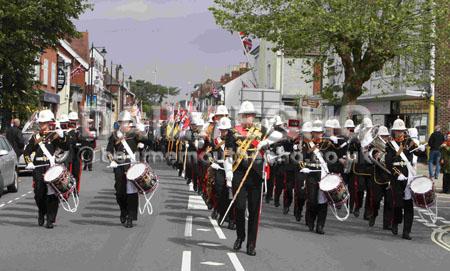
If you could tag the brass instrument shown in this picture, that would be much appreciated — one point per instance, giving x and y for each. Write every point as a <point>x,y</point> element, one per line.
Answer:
<point>377,154</point>
<point>245,144</point>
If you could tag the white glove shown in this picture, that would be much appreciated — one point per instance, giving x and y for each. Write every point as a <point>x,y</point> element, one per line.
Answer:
<point>229,184</point>
<point>140,145</point>
<point>296,147</point>
<point>334,139</point>
<point>187,145</point>
<point>215,166</point>
<point>305,170</point>
<point>30,166</point>
<point>229,177</point>
<point>113,164</point>
<point>119,134</point>
<point>421,148</point>
<point>402,177</point>
<point>60,133</point>
<point>140,127</point>
<point>262,144</point>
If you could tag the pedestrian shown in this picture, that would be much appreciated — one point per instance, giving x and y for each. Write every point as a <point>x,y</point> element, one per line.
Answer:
<point>435,141</point>
<point>445,161</point>
<point>15,137</point>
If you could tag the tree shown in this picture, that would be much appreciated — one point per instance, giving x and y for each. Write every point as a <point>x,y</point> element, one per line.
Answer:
<point>150,94</point>
<point>27,28</point>
<point>365,34</point>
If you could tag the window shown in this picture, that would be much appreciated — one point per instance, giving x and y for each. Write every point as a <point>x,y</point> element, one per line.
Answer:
<point>269,76</point>
<point>45,72</point>
<point>53,75</point>
<point>4,145</point>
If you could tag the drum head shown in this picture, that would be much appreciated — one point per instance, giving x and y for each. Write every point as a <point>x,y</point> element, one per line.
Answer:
<point>421,185</point>
<point>53,173</point>
<point>136,171</point>
<point>330,182</point>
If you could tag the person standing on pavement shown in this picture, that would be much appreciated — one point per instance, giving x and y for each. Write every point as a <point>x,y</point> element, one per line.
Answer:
<point>15,137</point>
<point>445,161</point>
<point>435,141</point>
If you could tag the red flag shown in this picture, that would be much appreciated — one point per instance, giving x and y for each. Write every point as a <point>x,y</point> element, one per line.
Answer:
<point>247,42</point>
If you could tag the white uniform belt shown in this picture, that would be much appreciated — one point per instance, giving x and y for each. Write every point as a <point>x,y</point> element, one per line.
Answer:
<point>400,164</point>
<point>42,158</point>
<point>312,165</point>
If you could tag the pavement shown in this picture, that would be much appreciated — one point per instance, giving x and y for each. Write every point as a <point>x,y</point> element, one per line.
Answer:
<point>180,235</point>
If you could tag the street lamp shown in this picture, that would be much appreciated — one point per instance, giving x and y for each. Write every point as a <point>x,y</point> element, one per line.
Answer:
<point>91,75</point>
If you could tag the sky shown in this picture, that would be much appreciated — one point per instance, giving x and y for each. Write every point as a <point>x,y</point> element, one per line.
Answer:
<point>178,38</point>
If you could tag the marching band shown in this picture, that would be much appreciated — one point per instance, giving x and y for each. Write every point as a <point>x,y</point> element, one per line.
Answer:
<point>321,166</point>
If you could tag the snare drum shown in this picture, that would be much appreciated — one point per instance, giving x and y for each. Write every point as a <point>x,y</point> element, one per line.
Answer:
<point>60,179</point>
<point>143,177</point>
<point>333,187</point>
<point>423,192</point>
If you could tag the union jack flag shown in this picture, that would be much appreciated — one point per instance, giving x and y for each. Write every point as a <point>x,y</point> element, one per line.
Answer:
<point>247,42</point>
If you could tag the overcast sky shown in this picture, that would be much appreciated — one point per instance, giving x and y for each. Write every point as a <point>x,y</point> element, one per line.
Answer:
<point>178,37</point>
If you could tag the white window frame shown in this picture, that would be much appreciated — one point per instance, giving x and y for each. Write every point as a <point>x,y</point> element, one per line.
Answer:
<point>53,75</point>
<point>45,72</point>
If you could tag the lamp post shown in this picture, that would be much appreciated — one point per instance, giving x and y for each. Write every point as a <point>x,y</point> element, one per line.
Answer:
<point>91,81</point>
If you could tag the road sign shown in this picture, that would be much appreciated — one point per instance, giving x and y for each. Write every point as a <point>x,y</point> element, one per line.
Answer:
<point>61,79</point>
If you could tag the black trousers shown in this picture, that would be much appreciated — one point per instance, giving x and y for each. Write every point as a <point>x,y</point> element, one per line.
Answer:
<point>314,210</point>
<point>271,182</point>
<point>289,182</point>
<point>222,194</point>
<point>446,183</point>
<point>377,193</point>
<point>128,203</point>
<point>357,185</point>
<point>47,204</point>
<point>75,169</point>
<point>280,182</point>
<point>405,213</point>
<point>299,192</point>
<point>250,194</point>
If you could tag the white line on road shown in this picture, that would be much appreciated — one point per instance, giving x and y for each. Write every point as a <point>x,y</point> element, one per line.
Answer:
<point>1,205</point>
<point>235,261</point>
<point>212,263</point>
<point>217,229</point>
<point>188,228</point>
<point>29,192</point>
<point>23,195</point>
<point>186,261</point>
<point>17,198</point>
<point>9,202</point>
<point>204,230</point>
<point>196,203</point>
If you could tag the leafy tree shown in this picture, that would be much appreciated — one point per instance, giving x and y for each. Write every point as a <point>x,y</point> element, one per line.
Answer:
<point>27,28</point>
<point>365,34</point>
<point>150,94</point>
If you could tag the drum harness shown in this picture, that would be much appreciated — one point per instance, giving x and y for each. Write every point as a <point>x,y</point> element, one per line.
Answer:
<point>411,176</point>
<point>148,196</point>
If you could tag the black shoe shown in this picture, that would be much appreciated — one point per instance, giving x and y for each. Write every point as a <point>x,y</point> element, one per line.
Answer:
<point>267,200</point>
<point>319,230</point>
<point>41,219</point>
<point>123,219</point>
<point>277,203</point>
<point>311,228</point>
<point>298,216</point>
<point>188,181</point>
<point>285,210</point>
<point>394,229</point>
<point>238,244</point>
<point>366,217</point>
<point>251,250</point>
<point>406,236</point>
<point>372,221</point>
<point>231,226</point>
<point>90,169</point>
<point>356,213</point>
<point>129,223</point>
<point>49,225</point>
<point>214,214</point>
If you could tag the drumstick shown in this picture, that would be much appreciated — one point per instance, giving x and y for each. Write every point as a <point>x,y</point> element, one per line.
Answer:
<point>124,164</point>
<point>418,147</point>
<point>44,165</point>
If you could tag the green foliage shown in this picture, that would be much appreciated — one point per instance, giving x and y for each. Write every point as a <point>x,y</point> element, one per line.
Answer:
<point>150,94</point>
<point>364,34</point>
<point>27,28</point>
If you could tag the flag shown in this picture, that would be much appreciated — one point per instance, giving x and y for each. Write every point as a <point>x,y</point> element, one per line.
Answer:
<point>247,42</point>
<point>215,91</point>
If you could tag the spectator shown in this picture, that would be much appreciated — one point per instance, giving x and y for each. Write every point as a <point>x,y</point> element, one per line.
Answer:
<point>15,137</point>
<point>445,161</point>
<point>435,141</point>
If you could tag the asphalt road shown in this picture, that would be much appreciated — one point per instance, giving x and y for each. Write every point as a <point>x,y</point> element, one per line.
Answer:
<point>179,235</point>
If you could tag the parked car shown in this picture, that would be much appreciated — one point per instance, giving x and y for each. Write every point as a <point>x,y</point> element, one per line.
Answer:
<point>8,167</point>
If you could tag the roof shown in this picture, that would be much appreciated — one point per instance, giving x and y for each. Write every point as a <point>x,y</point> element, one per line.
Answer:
<point>64,44</point>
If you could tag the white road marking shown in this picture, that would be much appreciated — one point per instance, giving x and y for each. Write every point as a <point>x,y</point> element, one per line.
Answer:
<point>186,261</point>
<point>24,195</point>
<point>16,198</point>
<point>191,187</point>
<point>29,192</point>
<point>1,205</point>
<point>235,261</point>
<point>188,228</point>
<point>204,230</point>
<point>430,225</point>
<point>217,229</point>
<point>212,263</point>
<point>204,244</point>
<point>196,203</point>
<point>437,237</point>
<point>9,202</point>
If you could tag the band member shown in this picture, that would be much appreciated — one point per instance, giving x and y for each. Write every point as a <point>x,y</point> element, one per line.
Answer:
<point>280,166</point>
<point>46,200</point>
<point>190,137</point>
<point>399,156</point>
<point>381,177</point>
<point>313,153</point>
<point>121,149</point>
<point>222,147</point>
<point>75,140</point>
<point>251,189</point>
<point>445,161</point>
<point>91,142</point>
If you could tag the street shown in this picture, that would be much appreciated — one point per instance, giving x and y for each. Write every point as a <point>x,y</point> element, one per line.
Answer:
<point>181,236</point>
